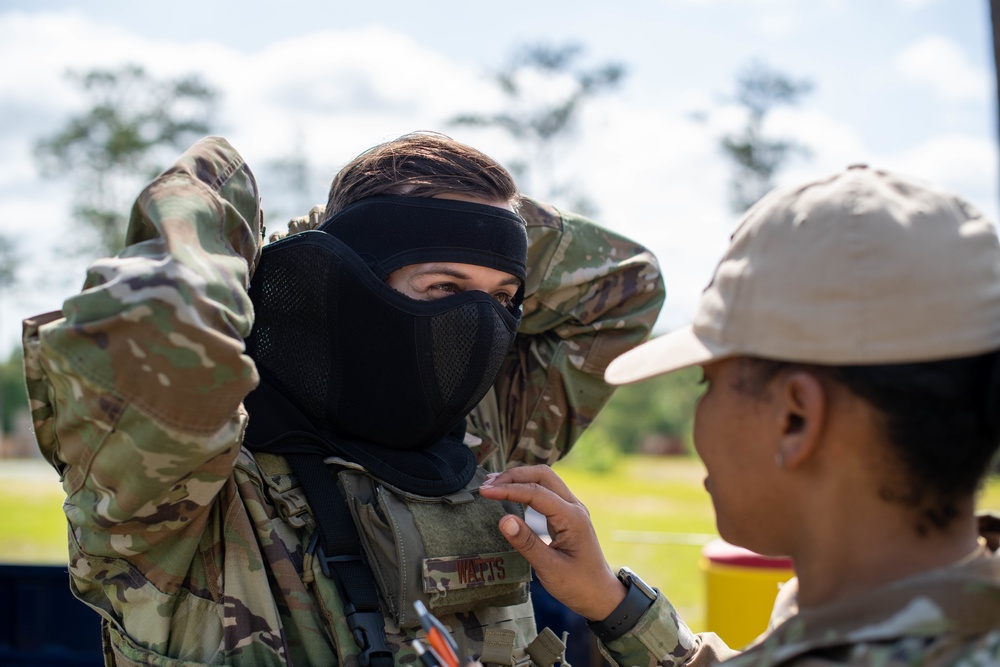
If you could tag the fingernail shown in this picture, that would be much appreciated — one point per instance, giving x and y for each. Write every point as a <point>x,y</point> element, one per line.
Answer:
<point>490,477</point>
<point>510,527</point>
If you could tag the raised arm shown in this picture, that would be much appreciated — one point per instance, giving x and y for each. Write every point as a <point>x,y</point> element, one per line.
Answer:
<point>136,384</point>
<point>591,294</point>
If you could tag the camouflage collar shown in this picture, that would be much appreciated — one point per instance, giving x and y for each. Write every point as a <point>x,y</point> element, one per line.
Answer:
<point>960,601</point>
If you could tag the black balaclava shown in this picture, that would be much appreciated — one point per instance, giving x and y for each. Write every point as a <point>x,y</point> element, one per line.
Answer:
<point>353,368</point>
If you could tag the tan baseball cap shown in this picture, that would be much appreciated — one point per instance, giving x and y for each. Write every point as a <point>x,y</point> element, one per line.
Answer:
<point>861,267</point>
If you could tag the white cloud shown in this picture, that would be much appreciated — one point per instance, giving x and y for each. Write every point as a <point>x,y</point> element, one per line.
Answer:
<point>964,164</point>
<point>761,3</point>
<point>777,25</point>
<point>656,174</point>
<point>915,4</point>
<point>342,91</point>
<point>831,144</point>
<point>939,63</point>
<point>659,178</point>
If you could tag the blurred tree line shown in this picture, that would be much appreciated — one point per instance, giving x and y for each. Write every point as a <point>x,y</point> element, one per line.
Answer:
<point>12,391</point>
<point>654,416</point>
<point>136,124</point>
<point>545,88</point>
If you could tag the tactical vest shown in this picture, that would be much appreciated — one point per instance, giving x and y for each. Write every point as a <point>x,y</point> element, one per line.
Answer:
<point>443,551</point>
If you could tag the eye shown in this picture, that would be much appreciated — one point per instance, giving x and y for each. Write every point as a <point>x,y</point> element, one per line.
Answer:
<point>506,300</point>
<point>438,290</point>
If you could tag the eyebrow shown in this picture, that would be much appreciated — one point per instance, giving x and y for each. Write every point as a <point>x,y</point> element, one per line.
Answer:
<point>455,273</point>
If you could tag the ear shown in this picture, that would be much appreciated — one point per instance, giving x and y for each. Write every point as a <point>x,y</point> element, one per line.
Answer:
<point>801,400</point>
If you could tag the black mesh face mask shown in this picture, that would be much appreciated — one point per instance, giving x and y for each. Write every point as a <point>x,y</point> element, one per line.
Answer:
<point>363,361</point>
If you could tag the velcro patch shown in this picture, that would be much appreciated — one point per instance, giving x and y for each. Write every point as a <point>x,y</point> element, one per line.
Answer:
<point>473,571</point>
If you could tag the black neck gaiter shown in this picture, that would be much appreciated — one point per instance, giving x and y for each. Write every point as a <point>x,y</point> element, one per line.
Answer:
<point>380,378</point>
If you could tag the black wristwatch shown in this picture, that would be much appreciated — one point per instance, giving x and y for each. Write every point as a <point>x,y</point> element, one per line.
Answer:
<point>638,599</point>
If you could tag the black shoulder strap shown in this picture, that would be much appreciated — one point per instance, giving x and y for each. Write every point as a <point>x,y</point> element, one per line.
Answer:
<point>338,548</point>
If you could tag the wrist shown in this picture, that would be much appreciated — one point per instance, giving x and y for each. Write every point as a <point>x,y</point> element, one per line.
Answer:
<point>638,598</point>
<point>613,591</point>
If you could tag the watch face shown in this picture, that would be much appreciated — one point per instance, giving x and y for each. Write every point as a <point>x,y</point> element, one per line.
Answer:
<point>629,578</point>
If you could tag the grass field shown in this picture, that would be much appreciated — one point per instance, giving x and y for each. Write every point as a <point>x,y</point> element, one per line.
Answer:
<point>654,515</point>
<point>651,514</point>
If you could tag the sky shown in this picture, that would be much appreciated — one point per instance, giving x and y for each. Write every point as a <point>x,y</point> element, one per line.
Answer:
<point>907,85</point>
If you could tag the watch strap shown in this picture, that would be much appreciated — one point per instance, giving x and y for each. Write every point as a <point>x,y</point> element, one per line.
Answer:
<point>625,615</point>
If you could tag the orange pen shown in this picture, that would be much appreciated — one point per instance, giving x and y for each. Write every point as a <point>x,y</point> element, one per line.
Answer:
<point>437,636</point>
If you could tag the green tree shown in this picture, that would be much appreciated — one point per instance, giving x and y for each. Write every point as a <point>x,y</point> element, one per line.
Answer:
<point>661,406</point>
<point>545,88</point>
<point>9,262</point>
<point>13,394</point>
<point>756,158</point>
<point>289,177</point>
<point>115,146</point>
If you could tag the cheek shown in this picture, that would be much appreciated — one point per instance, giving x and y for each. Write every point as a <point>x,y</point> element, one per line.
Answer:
<point>707,423</point>
<point>397,280</point>
<point>725,435</point>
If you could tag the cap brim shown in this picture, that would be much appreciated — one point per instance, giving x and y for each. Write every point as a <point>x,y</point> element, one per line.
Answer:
<point>670,352</point>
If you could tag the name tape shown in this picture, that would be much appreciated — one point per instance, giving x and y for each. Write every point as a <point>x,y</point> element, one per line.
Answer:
<point>472,571</point>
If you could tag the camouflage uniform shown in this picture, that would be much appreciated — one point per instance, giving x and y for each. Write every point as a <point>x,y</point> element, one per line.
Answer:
<point>190,553</point>
<point>944,618</point>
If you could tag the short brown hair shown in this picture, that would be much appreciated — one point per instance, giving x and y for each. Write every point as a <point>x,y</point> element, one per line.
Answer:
<point>421,164</point>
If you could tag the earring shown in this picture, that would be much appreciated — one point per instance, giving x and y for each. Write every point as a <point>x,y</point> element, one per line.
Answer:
<point>779,459</point>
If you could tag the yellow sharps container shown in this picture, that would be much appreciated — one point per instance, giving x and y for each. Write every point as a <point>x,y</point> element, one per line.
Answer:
<point>740,589</point>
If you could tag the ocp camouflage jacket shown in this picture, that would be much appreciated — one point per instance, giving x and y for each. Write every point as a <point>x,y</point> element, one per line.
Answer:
<point>948,617</point>
<point>136,390</point>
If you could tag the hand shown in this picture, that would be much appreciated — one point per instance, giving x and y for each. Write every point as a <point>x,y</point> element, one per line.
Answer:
<point>572,567</point>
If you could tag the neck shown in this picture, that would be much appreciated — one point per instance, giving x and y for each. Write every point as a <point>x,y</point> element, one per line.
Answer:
<point>851,556</point>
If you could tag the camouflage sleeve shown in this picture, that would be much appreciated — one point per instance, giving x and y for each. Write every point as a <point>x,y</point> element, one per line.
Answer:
<point>591,294</point>
<point>662,639</point>
<point>136,385</point>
